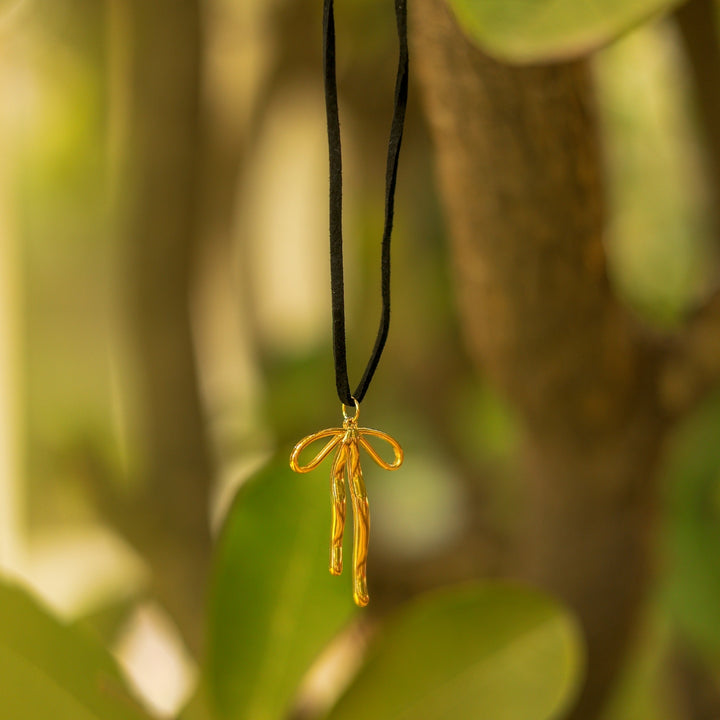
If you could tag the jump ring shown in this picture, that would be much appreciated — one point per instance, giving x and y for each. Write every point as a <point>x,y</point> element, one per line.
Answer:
<point>354,417</point>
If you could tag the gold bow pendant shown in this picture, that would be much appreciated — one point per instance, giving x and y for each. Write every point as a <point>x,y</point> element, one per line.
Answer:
<point>346,441</point>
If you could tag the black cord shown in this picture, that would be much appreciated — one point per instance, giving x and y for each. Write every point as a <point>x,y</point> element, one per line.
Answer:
<point>336,244</point>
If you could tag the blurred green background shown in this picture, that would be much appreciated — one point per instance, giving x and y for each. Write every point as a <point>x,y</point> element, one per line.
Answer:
<point>165,335</point>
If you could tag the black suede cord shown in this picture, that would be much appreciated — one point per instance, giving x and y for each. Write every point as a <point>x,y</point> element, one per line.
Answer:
<point>336,241</point>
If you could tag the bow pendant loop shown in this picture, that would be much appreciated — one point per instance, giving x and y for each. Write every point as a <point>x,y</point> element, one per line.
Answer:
<point>397,450</point>
<point>335,433</point>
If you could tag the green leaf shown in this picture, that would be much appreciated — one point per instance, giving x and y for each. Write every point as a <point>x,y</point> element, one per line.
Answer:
<point>484,652</point>
<point>273,604</point>
<point>48,670</point>
<point>692,529</point>
<point>541,30</point>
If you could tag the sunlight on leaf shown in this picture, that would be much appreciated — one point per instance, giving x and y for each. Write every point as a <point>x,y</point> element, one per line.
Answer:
<point>542,30</point>
<point>10,11</point>
<point>482,652</point>
<point>48,670</point>
<point>273,604</point>
<point>659,234</point>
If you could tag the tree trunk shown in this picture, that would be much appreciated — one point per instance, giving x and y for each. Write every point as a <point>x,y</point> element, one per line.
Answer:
<point>168,520</point>
<point>520,170</point>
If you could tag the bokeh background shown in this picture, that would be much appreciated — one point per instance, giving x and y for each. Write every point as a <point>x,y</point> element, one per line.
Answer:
<point>165,315</point>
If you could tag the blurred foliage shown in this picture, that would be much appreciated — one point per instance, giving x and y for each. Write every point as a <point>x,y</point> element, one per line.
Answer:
<point>489,652</point>
<point>537,30</point>
<point>273,605</point>
<point>692,530</point>
<point>661,249</point>
<point>273,610</point>
<point>48,670</point>
<point>643,693</point>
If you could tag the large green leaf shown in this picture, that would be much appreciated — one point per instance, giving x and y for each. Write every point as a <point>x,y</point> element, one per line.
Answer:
<point>273,604</point>
<point>48,670</point>
<point>486,652</point>
<point>542,30</point>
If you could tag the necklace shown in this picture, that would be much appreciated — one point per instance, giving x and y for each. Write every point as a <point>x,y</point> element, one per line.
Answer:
<point>347,440</point>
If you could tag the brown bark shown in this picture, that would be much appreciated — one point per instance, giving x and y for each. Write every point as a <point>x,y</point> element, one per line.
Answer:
<point>520,170</point>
